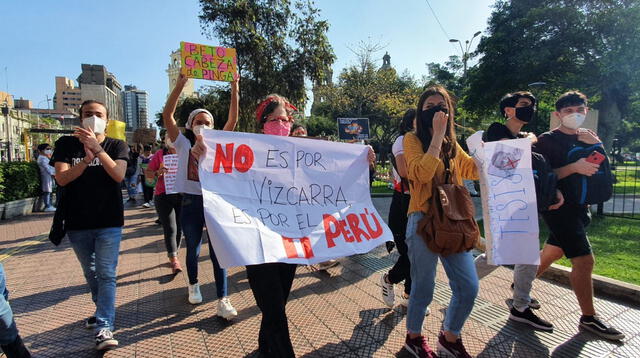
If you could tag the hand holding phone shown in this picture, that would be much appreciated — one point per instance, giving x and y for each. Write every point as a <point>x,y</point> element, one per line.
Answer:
<point>595,157</point>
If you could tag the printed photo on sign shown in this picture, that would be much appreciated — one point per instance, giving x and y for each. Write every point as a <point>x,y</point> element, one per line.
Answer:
<point>287,199</point>
<point>353,128</point>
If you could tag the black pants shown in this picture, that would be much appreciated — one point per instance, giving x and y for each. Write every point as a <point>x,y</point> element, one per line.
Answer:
<point>169,207</point>
<point>147,192</point>
<point>398,225</point>
<point>271,284</point>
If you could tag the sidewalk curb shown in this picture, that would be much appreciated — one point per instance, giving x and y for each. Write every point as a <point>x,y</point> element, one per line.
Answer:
<point>602,286</point>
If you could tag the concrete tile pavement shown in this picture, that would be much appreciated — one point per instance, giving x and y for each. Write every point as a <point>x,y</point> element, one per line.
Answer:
<point>337,313</point>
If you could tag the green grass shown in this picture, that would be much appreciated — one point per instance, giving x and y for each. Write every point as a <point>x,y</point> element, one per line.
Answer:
<point>616,247</point>
<point>627,180</point>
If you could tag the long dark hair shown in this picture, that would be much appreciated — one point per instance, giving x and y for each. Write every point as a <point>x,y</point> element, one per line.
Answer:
<point>406,123</point>
<point>422,129</point>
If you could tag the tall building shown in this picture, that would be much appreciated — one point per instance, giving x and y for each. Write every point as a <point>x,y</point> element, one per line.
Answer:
<point>101,85</point>
<point>68,96</point>
<point>173,71</point>
<point>134,102</point>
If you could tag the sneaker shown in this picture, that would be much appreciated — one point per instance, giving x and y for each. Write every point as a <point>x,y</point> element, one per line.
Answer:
<point>194,294</point>
<point>533,304</point>
<point>419,348</point>
<point>388,294</point>
<point>595,325</point>
<point>528,317</point>
<point>455,349</point>
<point>327,264</point>
<point>225,309</point>
<point>50,209</point>
<point>91,322</point>
<point>146,205</point>
<point>105,340</point>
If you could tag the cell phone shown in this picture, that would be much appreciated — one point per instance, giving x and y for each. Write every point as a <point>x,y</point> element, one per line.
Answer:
<point>595,157</point>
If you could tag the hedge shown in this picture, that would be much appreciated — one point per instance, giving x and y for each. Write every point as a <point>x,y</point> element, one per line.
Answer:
<point>19,180</point>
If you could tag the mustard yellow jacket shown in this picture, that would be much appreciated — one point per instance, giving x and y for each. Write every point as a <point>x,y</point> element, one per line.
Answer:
<point>422,167</point>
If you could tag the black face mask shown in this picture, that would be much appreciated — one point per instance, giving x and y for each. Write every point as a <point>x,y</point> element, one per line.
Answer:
<point>426,117</point>
<point>524,114</point>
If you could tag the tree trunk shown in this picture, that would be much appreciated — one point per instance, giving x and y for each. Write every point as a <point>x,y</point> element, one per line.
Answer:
<point>609,118</point>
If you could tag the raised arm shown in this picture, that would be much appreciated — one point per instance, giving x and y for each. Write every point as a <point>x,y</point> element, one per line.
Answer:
<point>170,108</point>
<point>234,106</point>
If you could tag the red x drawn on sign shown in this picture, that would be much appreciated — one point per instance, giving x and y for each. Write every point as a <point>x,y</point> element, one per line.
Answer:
<point>512,163</point>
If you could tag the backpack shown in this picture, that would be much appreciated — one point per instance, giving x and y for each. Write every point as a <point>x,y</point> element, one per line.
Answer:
<point>449,226</point>
<point>545,180</point>
<point>581,189</point>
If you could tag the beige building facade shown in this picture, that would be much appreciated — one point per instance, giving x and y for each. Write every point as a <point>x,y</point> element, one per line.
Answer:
<point>68,95</point>
<point>173,71</point>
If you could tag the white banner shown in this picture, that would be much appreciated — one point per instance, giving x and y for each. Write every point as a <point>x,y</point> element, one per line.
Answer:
<point>170,162</point>
<point>286,199</point>
<point>508,196</point>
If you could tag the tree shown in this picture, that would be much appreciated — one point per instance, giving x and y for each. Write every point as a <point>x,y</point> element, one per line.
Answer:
<point>589,45</point>
<point>279,47</point>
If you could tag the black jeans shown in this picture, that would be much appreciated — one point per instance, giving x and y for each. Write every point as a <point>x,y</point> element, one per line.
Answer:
<point>147,191</point>
<point>271,284</point>
<point>398,225</point>
<point>169,207</point>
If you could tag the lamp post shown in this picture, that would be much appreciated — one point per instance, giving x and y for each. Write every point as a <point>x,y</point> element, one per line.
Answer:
<point>465,58</point>
<point>5,112</point>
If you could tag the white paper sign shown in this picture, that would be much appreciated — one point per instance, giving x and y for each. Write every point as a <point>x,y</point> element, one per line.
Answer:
<point>508,196</point>
<point>170,162</point>
<point>285,199</point>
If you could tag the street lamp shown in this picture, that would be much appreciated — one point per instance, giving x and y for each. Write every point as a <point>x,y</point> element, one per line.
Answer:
<point>465,58</point>
<point>5,112</point>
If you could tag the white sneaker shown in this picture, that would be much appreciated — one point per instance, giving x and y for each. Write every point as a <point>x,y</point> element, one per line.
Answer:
<point>194,294</point>
<point>146,205</point>
<point>388,294</point>
<point>225,309</point>
<point>50,209</point>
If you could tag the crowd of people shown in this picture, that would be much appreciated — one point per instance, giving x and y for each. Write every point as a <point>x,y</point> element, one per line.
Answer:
<point>89,169</point>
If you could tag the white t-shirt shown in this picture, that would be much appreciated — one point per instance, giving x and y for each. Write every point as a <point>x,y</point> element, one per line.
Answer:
<point>396,149</point>
<point>183,182</point>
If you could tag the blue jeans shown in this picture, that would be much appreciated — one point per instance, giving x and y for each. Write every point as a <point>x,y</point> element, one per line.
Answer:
<point>460,270</point>
<point>46,199</point>
<point>98,250</point>
<point>8,329</point>
<point>192,220</point>
<point>130,183</point>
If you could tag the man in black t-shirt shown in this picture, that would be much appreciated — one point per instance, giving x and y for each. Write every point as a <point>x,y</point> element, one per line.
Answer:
<point>519,108</point>
<point>90,167</point>
<point>567,224</point>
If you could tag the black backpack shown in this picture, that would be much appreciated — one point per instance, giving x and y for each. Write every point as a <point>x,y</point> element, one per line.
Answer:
<point>546,181</point>
<point>581,189</point>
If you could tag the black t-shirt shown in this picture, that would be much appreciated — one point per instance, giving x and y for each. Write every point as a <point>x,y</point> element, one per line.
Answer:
<point>94,199</point>
<point>555,146</point>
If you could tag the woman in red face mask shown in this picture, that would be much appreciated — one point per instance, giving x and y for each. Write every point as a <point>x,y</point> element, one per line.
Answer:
<point>271,282</point>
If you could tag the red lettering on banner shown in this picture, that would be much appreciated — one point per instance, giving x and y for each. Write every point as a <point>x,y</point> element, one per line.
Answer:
<point>242,160</point>
<point>303,249</point>
<point>334,228</point>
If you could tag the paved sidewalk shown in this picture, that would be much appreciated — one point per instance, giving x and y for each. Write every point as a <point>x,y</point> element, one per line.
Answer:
<point>338,313</point>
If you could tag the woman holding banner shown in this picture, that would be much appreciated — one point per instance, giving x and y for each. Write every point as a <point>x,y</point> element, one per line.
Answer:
<point>189,147</point>
<point>428,151</point>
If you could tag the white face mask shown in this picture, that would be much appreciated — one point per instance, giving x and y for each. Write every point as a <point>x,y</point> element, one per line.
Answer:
<point>48,151</point>
<point>97,124</point>
<point>198,129</point>
<point>573,120</point>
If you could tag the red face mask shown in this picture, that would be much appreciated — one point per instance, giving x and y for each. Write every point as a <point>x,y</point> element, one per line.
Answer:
<point>277,127</point>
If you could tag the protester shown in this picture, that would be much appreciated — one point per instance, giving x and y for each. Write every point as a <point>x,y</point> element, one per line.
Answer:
<point>147,185</point>
<point>519,108</point>
<point>271,282</point>
<point>10,341</point>
<point>567,225</point>
<point>167,205</point>
<point>190,147</point>
<point>46,175</point>
<point>398,219</point>
<point>90,167</point>
<point>424,152</point>
<point>131,174</point>
<point>298,130</point>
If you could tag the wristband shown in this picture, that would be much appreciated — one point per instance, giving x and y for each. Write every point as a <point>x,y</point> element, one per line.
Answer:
<point>98,152</point>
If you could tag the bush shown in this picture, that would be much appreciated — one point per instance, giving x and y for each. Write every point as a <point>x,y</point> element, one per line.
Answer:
<point>19,180</point>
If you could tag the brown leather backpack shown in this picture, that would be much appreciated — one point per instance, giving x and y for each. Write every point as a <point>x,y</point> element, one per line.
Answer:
<point>449,226</point>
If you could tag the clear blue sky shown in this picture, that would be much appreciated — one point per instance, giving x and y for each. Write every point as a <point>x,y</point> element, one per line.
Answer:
<point>133,38</point>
